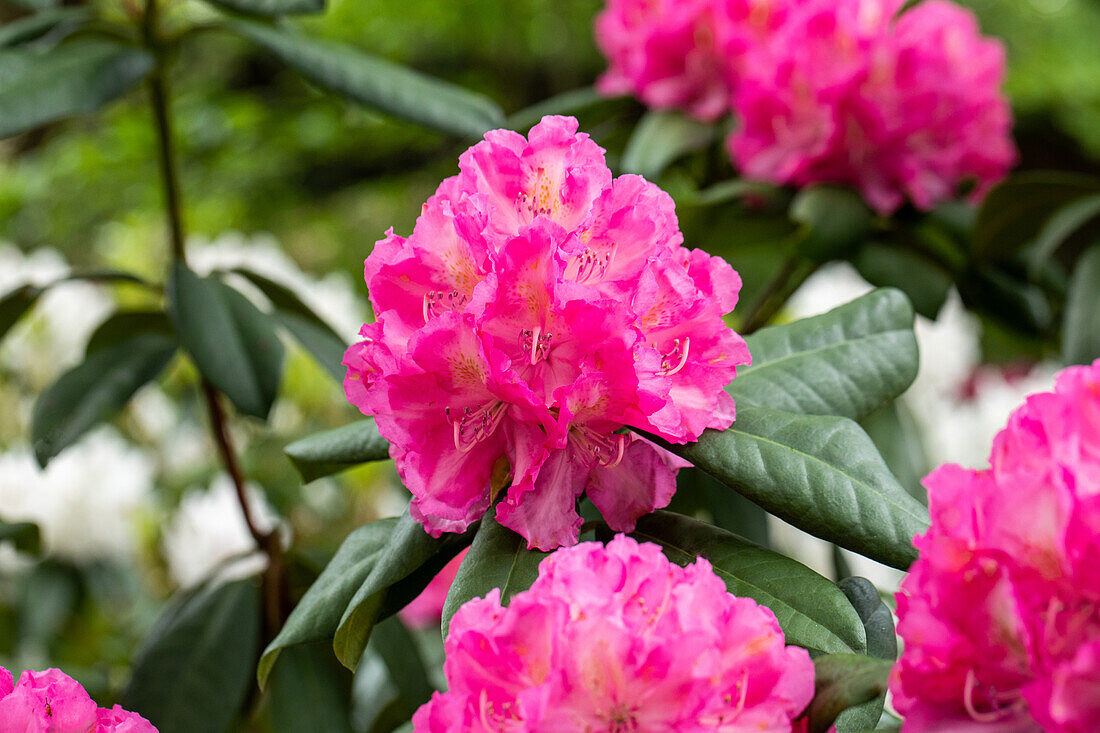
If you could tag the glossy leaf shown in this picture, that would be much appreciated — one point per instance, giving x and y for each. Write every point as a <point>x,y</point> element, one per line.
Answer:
<point>15,304</point>
<point>23,535</point>
<point>659,139</point>
<point>882,643</point>
<point>194,669</point>
<point>842,681</point>
<point>898,438</point>
<point>233,344</point>
<point>925,285</point>
<point>812,611</point>
<point>1081,329</point>
<point>318,613</point>
<point>845,362</point>
<point>378,83</point>
<point>700,495</point>
<point>1014,212</point>
<point>81,76</point>
<point>835,221</point>
<point>409,674</point>
<point>311,331</point>
<point>37,25</point>
<point>332,451</point>
<point>95,390</point>
<point>309,690</point>
<point>498,558</point>
<point>820,473</point>
<point>409,561</point>
<point>124,325</point>
<point>273,7</point>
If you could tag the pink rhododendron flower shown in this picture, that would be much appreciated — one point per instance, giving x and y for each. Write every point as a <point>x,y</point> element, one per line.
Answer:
<point>1001,613</point>
<point>53,702</point>
<point>900,107</point>
<point>427,608</point>
<point>540,307</point>
<point>618,638</point>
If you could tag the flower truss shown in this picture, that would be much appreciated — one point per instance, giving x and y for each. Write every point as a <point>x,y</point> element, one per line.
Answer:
<point>53,702</point>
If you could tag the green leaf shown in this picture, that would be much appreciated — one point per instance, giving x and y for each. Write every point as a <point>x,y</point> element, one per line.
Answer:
<point>725,191</point>
<point>700,495</point>
<point>811,610</point>
<point>15,304</point>
<point>882,643</point>
<point>378,83</point>
<point>311,331</point>
<point>408,672</point>
<point>37,25</point>
<point>310,690</point>
<point>95,390</point>
<point>845,362</point>
<point>835,221</point>
<point>124,325</point>
<point>498,558</point>
<point>194,669</point>
<point>23,535</point>
<point>899,441</point>
<point>273,8</point>
<point>332,451</point>
<point>566,103</point>
<point>659,139</point>
<point>404,568</point>
<point>318,613</point>
<point>925,285</point>
<point>820,473</point>
<point>233,344</point>
<point>1081,328</point>
<point>1059,228</point>
<point>1014,212</point>
<point>842,681</point>
<point>998,294</point>
<point>37,87</point>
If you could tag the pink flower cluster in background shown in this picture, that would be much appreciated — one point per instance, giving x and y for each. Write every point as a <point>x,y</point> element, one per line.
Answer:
<point>618,638</point>
<point>53,702</point>
<point>844,91</point>
<point>1001,613</point>
<point>538,307</point>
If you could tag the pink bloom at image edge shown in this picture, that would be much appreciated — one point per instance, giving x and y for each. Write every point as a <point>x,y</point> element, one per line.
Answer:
<point>539,307</point>
<point>905,107</point>
<point>52,702</point>
<point>427,608</point>
<point>1001,613</point>
<point>618,638</point>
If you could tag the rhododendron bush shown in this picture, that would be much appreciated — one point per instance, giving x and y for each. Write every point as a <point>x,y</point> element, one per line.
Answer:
<point>632,367</point>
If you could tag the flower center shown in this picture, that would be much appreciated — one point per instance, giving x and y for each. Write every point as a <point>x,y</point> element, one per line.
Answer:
<point>474,425</point>
<point>1002,704</point>
<point>676,358</point>
<point>535,343</point>
<point>591,265</point>
<point>438,301</point>
<point>606,450</point>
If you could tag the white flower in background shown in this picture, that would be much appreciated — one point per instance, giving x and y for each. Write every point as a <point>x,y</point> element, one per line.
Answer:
<point>88,499</point>
<point>334,297</point>
<point>208,533</point>
<point>53,337</point>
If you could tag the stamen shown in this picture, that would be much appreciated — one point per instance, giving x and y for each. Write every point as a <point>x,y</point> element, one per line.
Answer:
<point>968,702</point>
<point>476,425</point>
<point>679,354</point>
<point>606,450</point>
<point>438,301</point>
<point>535,344</point>
<point>593,266</point>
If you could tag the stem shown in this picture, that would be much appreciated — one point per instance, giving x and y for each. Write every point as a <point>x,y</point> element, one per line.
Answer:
<point>158,94</point>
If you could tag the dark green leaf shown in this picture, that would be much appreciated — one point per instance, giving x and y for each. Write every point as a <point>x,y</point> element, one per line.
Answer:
<point>700,495</point>
<point>332,451</point>
<point>14,305</point>
<point>899,441</point>
<point>378,83</point>
<point>843,681</point>
<point>1014,212</point>
<point>233,344</point>
<point>835,221</point>
<point>1081,328</point>
<point>725,191</point>
<point>50,595</point>
<point>318,614</point>
<point>399,651</point>
<point>845,362</point>
<point>566,103</point>
<point>1011,300</point>
<point>925,284</point>
<point>316,336</point>
<point>659,139</point>
<point>310,691</point>
<point>404,568</point>
<point>95,390</point>
<point>23,535</point>
<point>811,610</point>
<point>273,7</point>
<point>37,87</point>
<point>820,473</point>
<point>882,643</point>
<point>124,325</point>
<point>37,25</point>
<point>194,668</point>
<point>498,558</point>
<point>1059,228</point>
